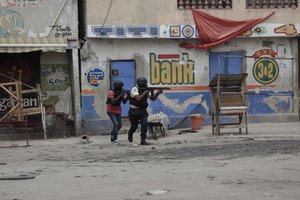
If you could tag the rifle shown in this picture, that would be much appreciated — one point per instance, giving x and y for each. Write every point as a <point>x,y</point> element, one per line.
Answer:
<point>154,88</point>
<point>126,91</point>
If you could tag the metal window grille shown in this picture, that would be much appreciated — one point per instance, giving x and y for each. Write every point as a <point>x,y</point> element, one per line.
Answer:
<point>204,4</point>
<point>261,4</point>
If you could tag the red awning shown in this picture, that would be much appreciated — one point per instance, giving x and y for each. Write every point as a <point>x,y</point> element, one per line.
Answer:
<point>213,30</point>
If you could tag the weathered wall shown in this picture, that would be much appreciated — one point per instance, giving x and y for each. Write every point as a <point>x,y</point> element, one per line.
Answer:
<point>136,12</point>
<point>55,76</point>
<point>56,72</point>
<point>39,18</point>
<point>191,94</point>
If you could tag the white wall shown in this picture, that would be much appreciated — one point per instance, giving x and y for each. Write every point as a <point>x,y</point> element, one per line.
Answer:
<point>125,49</point>
<point>136,12</point>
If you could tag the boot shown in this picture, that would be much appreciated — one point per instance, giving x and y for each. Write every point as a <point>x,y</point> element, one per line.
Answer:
<point>143,142</point>
<point>130,138</point>
<point>111,137</point>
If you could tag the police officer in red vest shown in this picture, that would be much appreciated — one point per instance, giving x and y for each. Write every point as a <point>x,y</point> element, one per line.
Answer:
<point>138,108</point>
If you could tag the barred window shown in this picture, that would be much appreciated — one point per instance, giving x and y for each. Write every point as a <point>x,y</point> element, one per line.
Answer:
<point>260,4</point>
<point>204,4</point>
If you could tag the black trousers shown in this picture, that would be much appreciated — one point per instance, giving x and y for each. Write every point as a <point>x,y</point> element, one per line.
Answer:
<point>137,116</point>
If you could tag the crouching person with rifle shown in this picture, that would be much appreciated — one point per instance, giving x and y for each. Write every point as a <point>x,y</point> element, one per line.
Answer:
<point>113,108</point>
<point>138,108</point>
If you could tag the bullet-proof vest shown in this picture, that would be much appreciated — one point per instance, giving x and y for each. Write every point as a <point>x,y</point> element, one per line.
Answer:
<point>141,104</point>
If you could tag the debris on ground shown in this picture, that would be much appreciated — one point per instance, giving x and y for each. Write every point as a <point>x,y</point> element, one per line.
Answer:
<point>85,139</point>
<point>17,177</point>
<point>154,192</point>
<point>187,131</point>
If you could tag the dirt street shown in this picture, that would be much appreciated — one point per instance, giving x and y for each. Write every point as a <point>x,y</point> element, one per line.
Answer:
<point>262,165</point>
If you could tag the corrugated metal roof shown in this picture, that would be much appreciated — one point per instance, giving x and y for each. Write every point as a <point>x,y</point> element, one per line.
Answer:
<point>28,44</point>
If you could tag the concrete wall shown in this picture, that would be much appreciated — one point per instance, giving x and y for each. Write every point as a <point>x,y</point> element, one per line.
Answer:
<point>191,95</point>
<point>136,12</point>
<point>39,18</point>
<point>55,76</point>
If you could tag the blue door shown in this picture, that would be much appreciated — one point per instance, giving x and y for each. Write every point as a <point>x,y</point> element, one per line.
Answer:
<point>230,63</point>
<point>125,72</point>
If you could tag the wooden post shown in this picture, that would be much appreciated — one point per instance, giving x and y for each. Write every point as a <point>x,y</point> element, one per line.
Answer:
<point>19,100</point>
<point>11,98</point>
<point>43,113</point>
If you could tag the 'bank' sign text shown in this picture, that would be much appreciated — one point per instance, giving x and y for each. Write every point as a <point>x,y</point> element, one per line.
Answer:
<point>167,69</point>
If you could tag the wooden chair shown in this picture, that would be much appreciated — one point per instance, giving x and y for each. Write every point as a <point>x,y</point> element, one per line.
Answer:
<point>229,98</point>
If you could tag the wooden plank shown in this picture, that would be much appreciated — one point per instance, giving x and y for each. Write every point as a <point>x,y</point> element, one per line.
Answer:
<point>232,112</point>
<point>8,83</point>
<point>7,90</point>
<point>233,126</point>
<point>19,96</point>
<point>30,91</point>
<point>228,80</point>
<point>32,110</point>
<point>11,111</point>
<point>42,110</point>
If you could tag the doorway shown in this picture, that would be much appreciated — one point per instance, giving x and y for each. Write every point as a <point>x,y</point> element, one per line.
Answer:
<point>124,71</point>
<point>230,63</point>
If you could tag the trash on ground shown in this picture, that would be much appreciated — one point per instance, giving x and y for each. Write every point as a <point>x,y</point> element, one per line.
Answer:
<point>187,131</point>
<point>17,177</point>
<point>154,192</point>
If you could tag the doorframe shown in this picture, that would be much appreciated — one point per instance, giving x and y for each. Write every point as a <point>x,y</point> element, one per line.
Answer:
<point>110,66</point>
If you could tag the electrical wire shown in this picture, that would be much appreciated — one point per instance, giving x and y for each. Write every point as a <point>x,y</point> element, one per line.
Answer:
<point>107,13</point>
<point>103,23</point>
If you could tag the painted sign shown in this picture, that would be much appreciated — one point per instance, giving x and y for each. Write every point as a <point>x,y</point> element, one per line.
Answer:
<point>124,31</point>
<point>94,76</point>
<point>265,69</point>
<point>287,29</point>
<point>167,69</point>
<point>21,3</point>
<point>185,31</point>
<point>11,22</point>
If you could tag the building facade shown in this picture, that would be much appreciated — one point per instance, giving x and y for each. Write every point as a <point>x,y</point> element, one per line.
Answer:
<point>39,45</point>
<point>129,39</point>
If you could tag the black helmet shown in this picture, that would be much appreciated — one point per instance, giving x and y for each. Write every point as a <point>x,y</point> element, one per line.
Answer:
<point>142,82</point>
<point>118,85</point>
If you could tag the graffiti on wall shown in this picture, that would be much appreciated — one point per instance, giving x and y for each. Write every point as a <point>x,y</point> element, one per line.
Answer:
<point>54,78</point>
<point>61,31</point>
<point>168,69</point>
<point>265,69</point>
<point>11,22</point>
